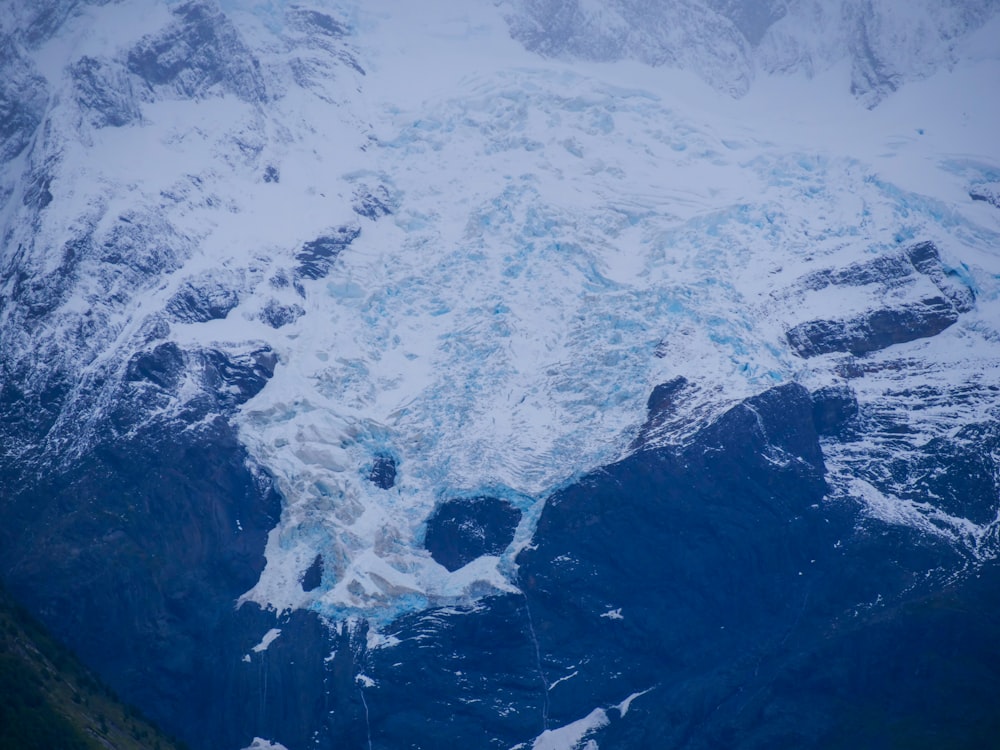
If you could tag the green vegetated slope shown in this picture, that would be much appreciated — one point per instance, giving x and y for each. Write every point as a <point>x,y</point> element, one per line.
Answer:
<point>50,701</point>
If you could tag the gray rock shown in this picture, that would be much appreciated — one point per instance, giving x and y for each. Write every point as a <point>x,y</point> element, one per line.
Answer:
<point>23,96</point>
<point>897,323</point>
<point>200,54</point>
<point>103,92</point>
<point>202,300</point>
<point>873,330</point>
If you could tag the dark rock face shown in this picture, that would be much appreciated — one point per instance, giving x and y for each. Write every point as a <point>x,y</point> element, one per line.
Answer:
<point>459,531</point>
<point>885,270</point>
<point>227,380</point>
<point>317,257</point>
<point>714,579</point>
<point>463,679</point>
<point>833,409</point>
<point>660,407</point>
<point>313,575</point>
<point>134,556</point>
<point>879,328</point>
<point>383,472</point>
<point>328,52</point>
<point>661,400</point>
<point>987,193</point>
<point>176,388</point>
<point>23,94</point>
<point>236,378</point>
<point>44,18</point>
<point>872,77</point>
<point>37,194</point>
<point>288,690</point>
<point>138,246</point>
<point>134,548</point>
<point>959,472</point>
<point>752,18</point>
<point>201,53</point>
<point>679,563</point>
<point>104,92</point>
<point>927,260</point>
<point>372,204</point>
<point>201,301</point>
<point>873,330</point>
<point>163,366</point>
<point>774,428</point>
<point>913,676</point>
<point>895,270</point>
<point>277,315</point>
<point>717,583</point>
<point>315,22</point>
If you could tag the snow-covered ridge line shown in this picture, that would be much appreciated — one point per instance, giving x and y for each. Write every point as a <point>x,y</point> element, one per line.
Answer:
<point>731,44</point>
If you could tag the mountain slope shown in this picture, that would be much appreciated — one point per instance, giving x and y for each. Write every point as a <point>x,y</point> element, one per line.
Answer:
<point>338,336</point>
<point>729,43</point>
<point>51,700</point>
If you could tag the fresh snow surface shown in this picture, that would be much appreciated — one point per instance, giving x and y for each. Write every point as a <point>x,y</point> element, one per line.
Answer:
<point>262,744</point>
<point>573,736</point>
<point>563,238</point>
<point>267,640</point>
<point>626,704</point>
<point>577,734</point>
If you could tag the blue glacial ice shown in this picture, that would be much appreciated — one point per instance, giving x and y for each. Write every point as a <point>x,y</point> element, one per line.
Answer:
<point>500,332</point>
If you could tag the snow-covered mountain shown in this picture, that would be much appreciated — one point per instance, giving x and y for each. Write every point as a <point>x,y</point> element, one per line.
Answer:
<point>349,313</point>
<point>729,43</point>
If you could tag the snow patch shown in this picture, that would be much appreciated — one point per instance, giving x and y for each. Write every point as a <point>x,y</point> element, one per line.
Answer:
<point>262,744</point>
<point>267,640</point>
<point>624,706</point>
<point>572,736</point>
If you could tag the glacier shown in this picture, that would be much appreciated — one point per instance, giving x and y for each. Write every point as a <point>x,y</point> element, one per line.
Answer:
<point>526,251</point>
<point>423,254</point>
<point>502,342</point>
